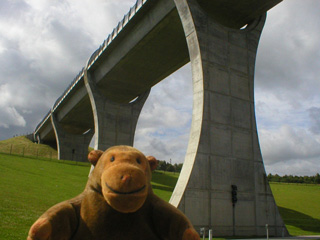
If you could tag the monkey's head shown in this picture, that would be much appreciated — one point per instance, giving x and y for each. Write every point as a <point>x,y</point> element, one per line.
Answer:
<point>123,174</point>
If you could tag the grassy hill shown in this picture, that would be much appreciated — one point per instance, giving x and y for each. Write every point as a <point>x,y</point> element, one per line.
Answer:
<point>23,146</point>
<point>29,186</point>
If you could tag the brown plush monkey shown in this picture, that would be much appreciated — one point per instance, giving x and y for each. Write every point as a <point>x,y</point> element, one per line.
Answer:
<point>116,204</point>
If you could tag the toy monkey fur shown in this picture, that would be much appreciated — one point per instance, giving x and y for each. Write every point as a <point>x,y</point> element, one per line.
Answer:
<point>116,204</point>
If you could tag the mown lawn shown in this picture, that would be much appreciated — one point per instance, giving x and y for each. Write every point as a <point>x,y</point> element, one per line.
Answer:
<point>164,183</point>
<point>299,206</point>
<point>30,186</point>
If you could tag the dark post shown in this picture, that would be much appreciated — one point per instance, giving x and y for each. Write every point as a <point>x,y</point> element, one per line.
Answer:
<point>234,201</point>
<point>73,152</point>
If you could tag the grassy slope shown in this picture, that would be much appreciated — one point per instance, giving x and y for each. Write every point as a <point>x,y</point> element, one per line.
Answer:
<point>23,146</point>
<point>163,184</point>
<point>299,206</point>
<point>30,186</point>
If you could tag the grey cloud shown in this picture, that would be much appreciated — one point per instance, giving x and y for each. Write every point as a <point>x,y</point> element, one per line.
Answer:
<point>314,114</point>
<point>25,83</point>
<point>8,7</point>
<point>173,147</point>
<point>287,144</point>
<point>159,147</point>
<point>10,116</point>
<point>287,84</point>
<point>286,63</point>
<point>299,167</point>
<point>75,43</point>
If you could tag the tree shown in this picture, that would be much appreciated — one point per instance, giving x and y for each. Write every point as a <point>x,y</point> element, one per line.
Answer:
<point>170,168</point>
<point>317,178</point>
<point>178,167</point>
<point>162,165</point>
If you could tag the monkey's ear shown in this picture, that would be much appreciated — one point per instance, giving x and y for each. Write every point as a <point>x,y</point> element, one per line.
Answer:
<point>153,162</point>
<point>94,156</point>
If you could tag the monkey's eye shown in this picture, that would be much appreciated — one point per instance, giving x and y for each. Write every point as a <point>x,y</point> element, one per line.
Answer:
<point>112,159</point>
<point>138,161</point>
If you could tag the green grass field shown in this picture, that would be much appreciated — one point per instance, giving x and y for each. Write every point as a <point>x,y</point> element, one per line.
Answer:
<point>30,186</point>
<point>299,206</point>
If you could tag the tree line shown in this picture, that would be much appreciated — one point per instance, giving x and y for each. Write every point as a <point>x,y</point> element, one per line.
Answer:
<point>168,167</point>
<point>294,179</point>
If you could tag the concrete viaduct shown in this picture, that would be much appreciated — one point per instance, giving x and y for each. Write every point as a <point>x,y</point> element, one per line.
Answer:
<point>157,37</point>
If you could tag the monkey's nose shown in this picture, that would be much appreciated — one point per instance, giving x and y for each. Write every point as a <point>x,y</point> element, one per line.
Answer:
<point>125,178</point>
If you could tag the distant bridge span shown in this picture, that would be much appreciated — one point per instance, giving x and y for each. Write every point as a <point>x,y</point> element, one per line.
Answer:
<point>138,54</point>
<point>152,41</point>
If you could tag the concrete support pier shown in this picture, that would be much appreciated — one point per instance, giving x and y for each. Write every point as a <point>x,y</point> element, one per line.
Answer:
<point>115,123</point>
<point>71,146</point>
<point>223,147</point>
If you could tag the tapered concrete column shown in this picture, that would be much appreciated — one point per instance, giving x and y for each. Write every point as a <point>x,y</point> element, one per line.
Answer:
<point>223,148</point>
<point>37,138</point>
<point>115,123</point>
<point>71,146</point>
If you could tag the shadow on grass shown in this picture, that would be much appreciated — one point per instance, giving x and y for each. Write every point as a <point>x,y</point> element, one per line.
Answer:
<point>164,188</point>
<point>166,179</point>
<point>300,220</point>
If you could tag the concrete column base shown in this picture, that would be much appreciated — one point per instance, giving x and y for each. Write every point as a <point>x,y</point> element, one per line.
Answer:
<point>71,146</point>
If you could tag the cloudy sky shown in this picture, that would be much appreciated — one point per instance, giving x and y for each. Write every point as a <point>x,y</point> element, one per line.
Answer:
<point>44,44</point>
